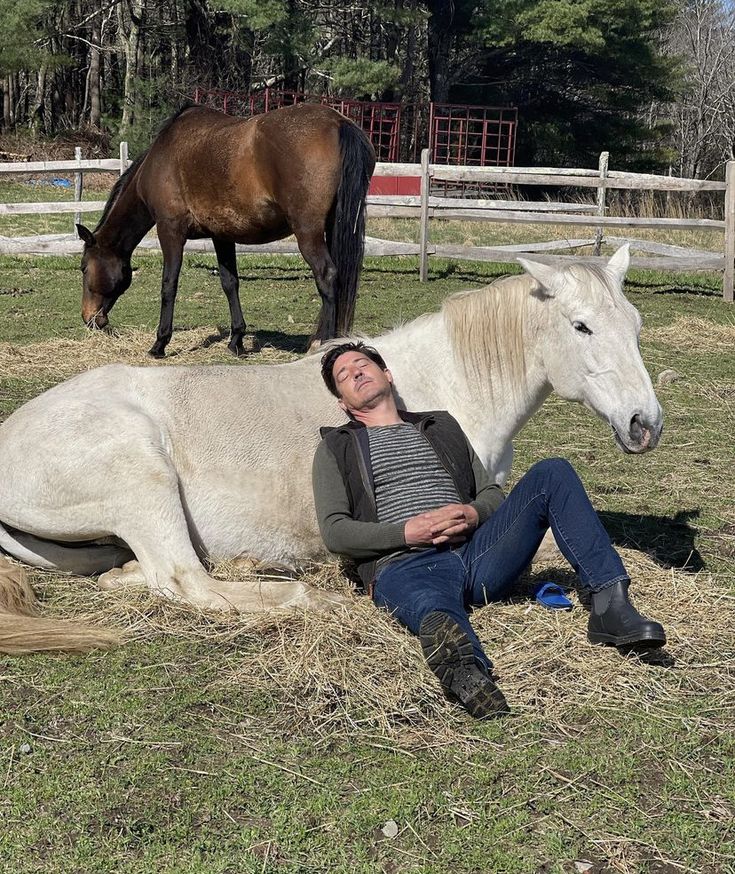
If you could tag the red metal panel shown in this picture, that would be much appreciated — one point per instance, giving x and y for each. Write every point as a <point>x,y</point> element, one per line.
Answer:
<point>395,185</point>
<point>455,133</point>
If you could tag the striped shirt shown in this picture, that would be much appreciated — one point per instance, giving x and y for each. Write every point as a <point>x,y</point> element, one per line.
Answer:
<point>408,476</point>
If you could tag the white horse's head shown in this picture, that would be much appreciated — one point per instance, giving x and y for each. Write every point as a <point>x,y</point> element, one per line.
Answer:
<point>590,347</point>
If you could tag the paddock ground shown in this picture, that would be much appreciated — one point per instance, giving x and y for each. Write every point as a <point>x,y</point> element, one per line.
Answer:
<point>296,743</point>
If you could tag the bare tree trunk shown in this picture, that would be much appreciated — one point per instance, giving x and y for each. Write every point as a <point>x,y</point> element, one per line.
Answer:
<point>130,14</point>
<point>440,44</point>
<point>11,97</point>
<point>37,115</point>
<point>175,44</point>
<point>93,87</point>
<point>6,103</point>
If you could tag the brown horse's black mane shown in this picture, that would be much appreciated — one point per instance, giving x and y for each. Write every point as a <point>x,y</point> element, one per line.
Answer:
<point>127,176</point>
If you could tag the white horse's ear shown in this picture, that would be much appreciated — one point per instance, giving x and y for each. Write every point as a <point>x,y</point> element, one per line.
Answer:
<point>544,274</point>
<point>620,262</point>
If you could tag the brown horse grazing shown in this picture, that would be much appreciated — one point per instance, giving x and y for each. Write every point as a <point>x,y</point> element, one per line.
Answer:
<point>301,170</point>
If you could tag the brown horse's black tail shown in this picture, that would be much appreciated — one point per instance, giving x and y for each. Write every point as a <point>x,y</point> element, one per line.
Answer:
<point>346,234</point>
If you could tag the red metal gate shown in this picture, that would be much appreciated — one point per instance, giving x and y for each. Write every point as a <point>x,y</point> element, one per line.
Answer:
<point>380,121</point>
<point>480,136</point>
<point>456,134</point>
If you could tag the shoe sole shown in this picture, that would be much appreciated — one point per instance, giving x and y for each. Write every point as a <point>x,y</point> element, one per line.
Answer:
<point>629,641</point>
<point>449,653</point>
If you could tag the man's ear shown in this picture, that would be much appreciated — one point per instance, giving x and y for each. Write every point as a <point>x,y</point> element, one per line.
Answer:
<point>388,375</point>
<point>341,404</point>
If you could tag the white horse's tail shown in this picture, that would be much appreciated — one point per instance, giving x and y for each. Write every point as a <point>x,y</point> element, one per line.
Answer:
<point>23,631</point>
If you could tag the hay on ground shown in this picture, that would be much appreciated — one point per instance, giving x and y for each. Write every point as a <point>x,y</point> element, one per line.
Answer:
<point>334,674</point>
<point>61,357</point>
<point>695,335</point>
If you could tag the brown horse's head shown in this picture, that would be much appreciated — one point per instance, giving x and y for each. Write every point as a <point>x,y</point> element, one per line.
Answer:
<point>106,275</point>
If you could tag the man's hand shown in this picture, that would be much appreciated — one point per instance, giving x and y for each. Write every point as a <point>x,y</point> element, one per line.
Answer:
<point>453,523</point>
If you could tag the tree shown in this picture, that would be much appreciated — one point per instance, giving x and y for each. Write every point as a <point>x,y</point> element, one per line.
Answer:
<point>582,73</point>
<point>702,36</point>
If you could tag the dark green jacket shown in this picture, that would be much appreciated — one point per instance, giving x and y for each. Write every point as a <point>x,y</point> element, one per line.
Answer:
<point>344,494</point>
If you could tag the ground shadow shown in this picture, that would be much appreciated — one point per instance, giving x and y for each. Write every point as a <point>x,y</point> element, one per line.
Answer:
<point>668,540</point>
<point>461,272</point>
<point>296,343</point>
<point>297,271</point>
<point>667,288</point>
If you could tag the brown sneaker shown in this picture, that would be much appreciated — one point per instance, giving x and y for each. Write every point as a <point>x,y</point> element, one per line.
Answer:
<point>448,652</point>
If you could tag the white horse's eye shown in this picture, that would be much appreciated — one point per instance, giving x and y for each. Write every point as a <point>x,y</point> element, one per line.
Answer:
<point>581,327</point>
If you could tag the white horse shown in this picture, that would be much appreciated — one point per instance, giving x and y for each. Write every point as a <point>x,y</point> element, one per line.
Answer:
<point>177,465</point>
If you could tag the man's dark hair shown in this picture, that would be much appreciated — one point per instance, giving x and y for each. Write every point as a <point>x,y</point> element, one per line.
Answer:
<point>331,355</point>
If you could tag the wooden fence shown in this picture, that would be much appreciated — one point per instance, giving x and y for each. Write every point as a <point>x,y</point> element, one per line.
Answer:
<point>427,207</point>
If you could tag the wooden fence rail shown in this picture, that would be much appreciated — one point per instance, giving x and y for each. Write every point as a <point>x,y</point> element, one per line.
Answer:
<point>428,207</point>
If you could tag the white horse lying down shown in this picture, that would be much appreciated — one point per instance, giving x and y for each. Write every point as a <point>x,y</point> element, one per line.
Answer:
<point>178,464</point>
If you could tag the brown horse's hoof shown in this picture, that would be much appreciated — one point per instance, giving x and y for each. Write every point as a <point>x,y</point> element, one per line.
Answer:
<point>245,345</point>
<point>157,353</point>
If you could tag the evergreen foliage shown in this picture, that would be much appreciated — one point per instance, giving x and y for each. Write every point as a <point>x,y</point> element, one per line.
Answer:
<point>586,75</point>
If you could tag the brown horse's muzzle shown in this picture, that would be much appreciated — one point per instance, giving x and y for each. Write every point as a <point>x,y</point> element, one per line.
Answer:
<point>94,315</point>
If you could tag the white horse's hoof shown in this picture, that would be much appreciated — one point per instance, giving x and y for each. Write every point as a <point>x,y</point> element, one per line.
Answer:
<point>127,576</point>
<point>318,601</point>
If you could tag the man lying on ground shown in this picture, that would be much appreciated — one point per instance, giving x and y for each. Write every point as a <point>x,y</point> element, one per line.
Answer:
<point>405,497</point>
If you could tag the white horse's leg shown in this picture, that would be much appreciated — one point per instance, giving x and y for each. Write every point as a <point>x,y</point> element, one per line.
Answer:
<point>252,596</point>
<point>150,518</point>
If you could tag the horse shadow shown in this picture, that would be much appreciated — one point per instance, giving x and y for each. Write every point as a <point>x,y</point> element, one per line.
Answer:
<point>296,343</point>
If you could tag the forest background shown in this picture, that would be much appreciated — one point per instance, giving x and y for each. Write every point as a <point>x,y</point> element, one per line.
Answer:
<point>652,81</point>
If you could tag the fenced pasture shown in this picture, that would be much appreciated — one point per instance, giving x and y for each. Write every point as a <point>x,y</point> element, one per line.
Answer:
<point>300,743</point>
<point>436,177</point>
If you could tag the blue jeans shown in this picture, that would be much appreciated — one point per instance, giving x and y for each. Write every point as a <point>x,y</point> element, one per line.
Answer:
<point>456,579</point>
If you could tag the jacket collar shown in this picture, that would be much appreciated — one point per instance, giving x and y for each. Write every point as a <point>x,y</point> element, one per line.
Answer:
<point>352,425</point>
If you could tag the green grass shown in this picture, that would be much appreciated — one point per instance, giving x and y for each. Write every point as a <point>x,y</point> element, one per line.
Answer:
<point>39,189</point>
<point>141,760</point>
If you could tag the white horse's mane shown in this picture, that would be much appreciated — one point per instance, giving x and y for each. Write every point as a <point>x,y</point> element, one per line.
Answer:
<point>590,292</point>
<point>485,327</point>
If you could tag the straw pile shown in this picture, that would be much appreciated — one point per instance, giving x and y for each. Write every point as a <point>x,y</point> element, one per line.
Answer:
<point>61,358</point>
<point>359,669</point>
<point>695,335</point>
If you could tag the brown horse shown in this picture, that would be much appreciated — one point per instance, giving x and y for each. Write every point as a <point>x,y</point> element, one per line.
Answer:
<point>301,170</point>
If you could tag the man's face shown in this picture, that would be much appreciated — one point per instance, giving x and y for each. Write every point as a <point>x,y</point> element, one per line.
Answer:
<point>360,382</point>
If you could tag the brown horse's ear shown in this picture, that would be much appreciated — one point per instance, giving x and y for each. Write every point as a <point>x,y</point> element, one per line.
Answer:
<point>86,235</point>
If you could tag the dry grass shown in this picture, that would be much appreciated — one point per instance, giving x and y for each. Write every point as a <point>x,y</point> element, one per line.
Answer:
<point>695,335</point>
<point>332,673</point>
<point>61,358</point>
<point>329,674</point>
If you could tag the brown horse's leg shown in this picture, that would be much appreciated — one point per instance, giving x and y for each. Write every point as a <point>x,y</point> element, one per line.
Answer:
<point>172,245</point>
<point>313,247</point>
<point>227,261</point>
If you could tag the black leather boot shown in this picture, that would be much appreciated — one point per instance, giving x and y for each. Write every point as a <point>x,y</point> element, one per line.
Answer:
<point>448,652</point>
<point>616,622</point>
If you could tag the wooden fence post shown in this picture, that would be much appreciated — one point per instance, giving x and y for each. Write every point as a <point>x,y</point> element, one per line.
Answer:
<point>123,157</point>
<point>604,158</point>
<point>78,186</point>
<point>727,284</point>
<point>424,232</point>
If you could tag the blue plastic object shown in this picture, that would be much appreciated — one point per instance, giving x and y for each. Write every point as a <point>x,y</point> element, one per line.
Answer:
<point>61,183</point>
<point>552,597</point>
